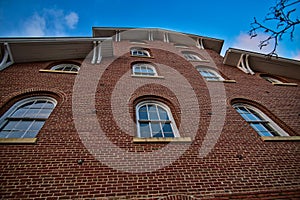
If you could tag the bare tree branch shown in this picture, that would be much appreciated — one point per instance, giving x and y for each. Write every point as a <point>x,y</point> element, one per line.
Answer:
<point>282,15</point>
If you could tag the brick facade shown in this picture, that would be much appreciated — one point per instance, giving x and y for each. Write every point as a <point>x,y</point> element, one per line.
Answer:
<point>239,166</point>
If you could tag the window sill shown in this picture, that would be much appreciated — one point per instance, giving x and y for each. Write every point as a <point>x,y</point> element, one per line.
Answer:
<point>161,140</point>
<point>224,81</point>
<point>141,76</point>
<point>204,61</point>
<point>229,81</point>
<point>57,71</point>
<point>18,140</point>
<point>285,84</point>
<point>142,56</point>
<point>281,138</point>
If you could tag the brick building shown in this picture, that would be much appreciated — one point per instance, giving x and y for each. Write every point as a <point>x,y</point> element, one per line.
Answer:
<point>146,114</point>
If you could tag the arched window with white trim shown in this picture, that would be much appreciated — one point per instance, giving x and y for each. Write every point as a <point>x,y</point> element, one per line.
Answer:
<point>26,117</point>
<point>140,52</point>
<point>66,67</point>
<point>259,121</point>
<point>144,69</point>
<point>154,119</point>
<point>210,74</point>
<point>190,56</point>
<point>271,79</point>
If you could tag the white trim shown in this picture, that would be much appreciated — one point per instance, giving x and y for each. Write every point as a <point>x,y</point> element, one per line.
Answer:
<point>243,64</point>
<point>217,75</point>
<point>99,57</point>
<point>94,52</point>
<point>20,103</point>
<point>270,122</point>
<point>199,43</point>
<point>55,67</point>
<point>140,52</point>
<point>165,107</point>
<point>147,65</point>
<point>150,35</point>
<point>247,65</point>
<point>7,58</point>
<point>166,37</point>
<point>271,79</point>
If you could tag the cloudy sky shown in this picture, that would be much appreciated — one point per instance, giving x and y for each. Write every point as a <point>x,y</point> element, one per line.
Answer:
<point>226,19</point>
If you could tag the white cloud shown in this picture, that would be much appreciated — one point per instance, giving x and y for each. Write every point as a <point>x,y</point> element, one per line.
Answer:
<point>297,56</point>
<point>71,20</point>
<point>49,22</point>
<point>243,41</point>
<point>35,26</point>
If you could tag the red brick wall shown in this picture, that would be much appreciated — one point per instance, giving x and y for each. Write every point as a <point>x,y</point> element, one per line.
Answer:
<point>240,166</point>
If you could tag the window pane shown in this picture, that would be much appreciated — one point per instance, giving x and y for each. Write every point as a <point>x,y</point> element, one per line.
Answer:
<point>16,134</point>
<point>38,104</point>
<point>137,70</point>
<point>4,134</point>
<point>143,113</point>
<point>167,127</point>
<point>251,117</point>
<point>241,110</point>
<point>27,105</point>
<point>10,125</point>
<point>44,113</point>
<point>32,113</point>
<point>59,68</point>
<point>30,134</point>
<point>261,129</point>
<point>37,125</point>
<point>162,113</point>
<point>74,69</point>
<point>23,125</point>
<point>168,132</point>
<point>212,78</point>
<point>152,112</point>
<point>156,130</point>
<point>145,130</point>
<point>48,105</point>
<point>20,112</point>
<point>68,68</point>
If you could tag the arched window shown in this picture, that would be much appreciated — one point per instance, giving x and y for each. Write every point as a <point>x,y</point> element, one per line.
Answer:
<point>144,69</point>
<point>154,119</point>
<point>191,56</point>
<point>66,67</point>
<point>271,79</point>
<point>210,74</point>
<point>140,52</point>
<point>261,123</point>
<point>26,117</point>
<point>181,46</point>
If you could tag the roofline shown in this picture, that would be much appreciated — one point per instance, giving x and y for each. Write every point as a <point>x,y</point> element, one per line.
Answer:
<point>130,28</point>
<point>50,39</point>
<point>261,55</point>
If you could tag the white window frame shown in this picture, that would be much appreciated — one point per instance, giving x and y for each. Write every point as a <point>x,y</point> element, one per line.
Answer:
<point>183,46</point>
<point>163,106</point>
<point>191,56</point>
<point>217,76</point>
<point>271,79</point>
<point>147,66</point>
<point>64,66</point>
<point>140,52</point>
<point>6,117</point>
<point>264,121</point>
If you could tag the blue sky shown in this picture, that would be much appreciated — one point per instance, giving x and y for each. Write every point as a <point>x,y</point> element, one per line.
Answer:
<point>228,19</point>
